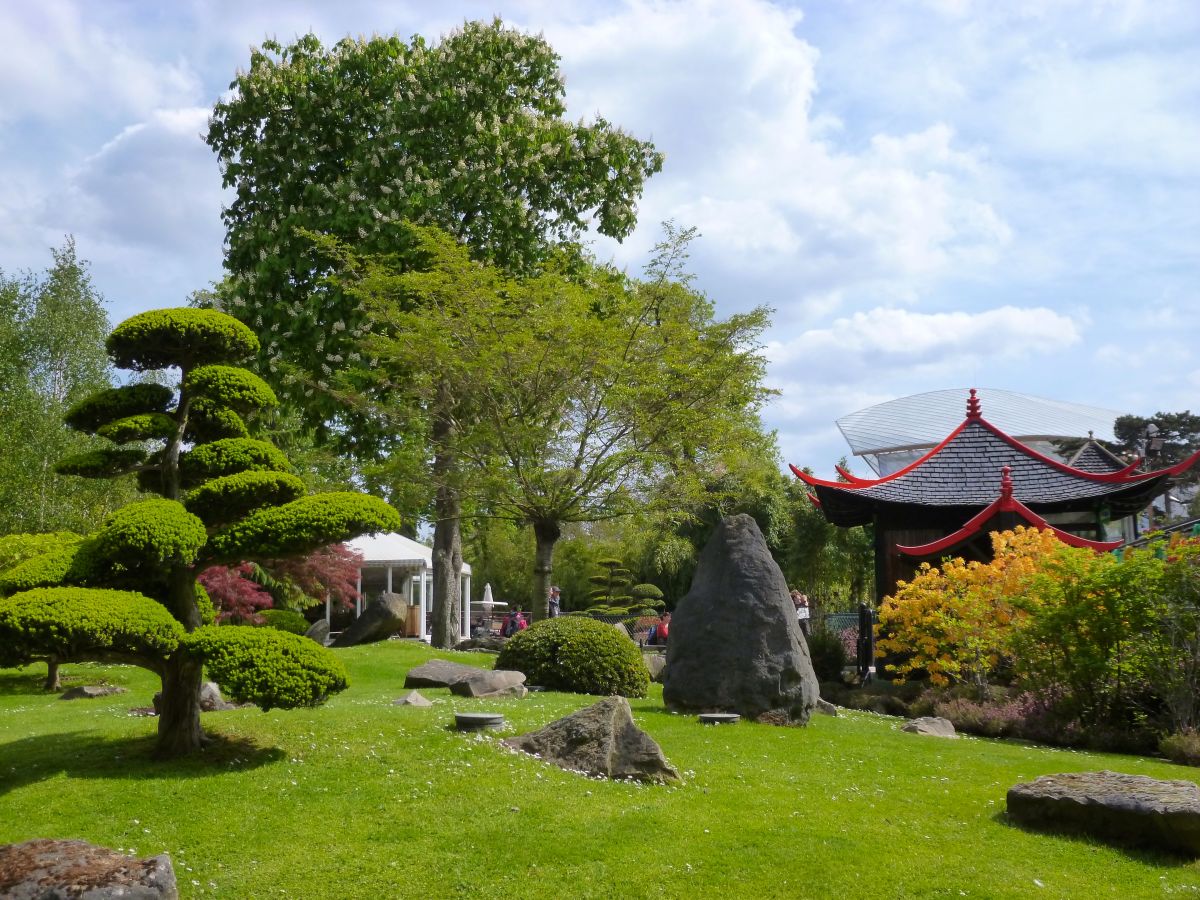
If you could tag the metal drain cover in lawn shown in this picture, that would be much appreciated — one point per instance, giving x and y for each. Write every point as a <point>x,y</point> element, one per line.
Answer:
<point>718,718</point>
<point>474,721</point>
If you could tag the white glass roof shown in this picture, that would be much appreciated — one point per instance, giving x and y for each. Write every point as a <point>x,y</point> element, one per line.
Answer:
<point>924,420</point>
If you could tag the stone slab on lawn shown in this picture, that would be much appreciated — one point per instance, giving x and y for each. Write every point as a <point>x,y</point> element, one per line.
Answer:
<point>413,698</point>
<point>935,726</point>
<point>1125,809</point>
<point>58,870</point>
<point>439,673</point>
<point>825,707</point>
<point>491,683</point>
<point>655,663</point>
<point>318,631</point>
<point>599,740</point>
<point>91,691</point>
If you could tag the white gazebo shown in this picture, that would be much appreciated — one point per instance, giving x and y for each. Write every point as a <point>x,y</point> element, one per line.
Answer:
<point>399,565</point>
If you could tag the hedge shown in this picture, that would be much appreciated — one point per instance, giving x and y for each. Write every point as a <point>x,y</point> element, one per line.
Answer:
<point>78,623</point>
<point>230,386</point>
<point>179,337</point>
<point>227,499</point>
<point>230,456</point>
<point>116,403</point>
<point>303,525</point>
<point>266,667</point>
<point>285,620</point>
<point>103,462</point>
<point>142,427</point>
<point>570,653</point>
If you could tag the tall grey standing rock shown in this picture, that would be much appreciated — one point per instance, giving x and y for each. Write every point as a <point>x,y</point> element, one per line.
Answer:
<point>380,620</point>
<point>735,643</point>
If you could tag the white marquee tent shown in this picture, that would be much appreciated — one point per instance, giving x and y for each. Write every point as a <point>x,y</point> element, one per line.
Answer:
<point>400,565</point>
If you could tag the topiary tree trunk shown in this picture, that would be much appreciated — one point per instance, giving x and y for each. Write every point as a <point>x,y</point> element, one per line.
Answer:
<point>225,498</point>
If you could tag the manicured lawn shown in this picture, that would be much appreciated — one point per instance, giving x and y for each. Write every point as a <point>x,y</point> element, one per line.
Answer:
<point>363,799</point>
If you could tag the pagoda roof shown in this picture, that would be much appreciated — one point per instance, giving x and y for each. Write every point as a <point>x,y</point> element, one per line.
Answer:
<point>961,472</point>
<point>1004,503</point>
<point>1093,456</point>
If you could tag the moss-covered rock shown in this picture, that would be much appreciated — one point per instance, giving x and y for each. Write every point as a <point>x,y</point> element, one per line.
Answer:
<point>227,499</point>
<point>118,403</point>
<point>229,456</point>
<point>230,386</point>
<point>571,653</point>
<point>183,337</point>
<point>266,667</point>
<point>69,623</point>
<point>303,525</point>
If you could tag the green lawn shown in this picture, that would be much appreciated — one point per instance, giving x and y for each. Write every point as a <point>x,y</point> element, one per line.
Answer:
<point>363,799</point>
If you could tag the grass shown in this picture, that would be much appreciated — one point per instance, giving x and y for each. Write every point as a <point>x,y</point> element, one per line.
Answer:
<point>360,798</point>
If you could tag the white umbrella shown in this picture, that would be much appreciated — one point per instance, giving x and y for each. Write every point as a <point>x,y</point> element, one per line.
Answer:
<point>488,603</point>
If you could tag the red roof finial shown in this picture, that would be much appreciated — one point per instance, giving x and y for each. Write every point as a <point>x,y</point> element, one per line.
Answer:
<point>1006,482</point>
<point>974,411</point>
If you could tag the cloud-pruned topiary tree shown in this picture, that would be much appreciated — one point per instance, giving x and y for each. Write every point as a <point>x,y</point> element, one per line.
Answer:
<point>128,592</point>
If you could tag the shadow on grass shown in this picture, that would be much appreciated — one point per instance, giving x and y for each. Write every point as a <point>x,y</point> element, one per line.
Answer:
<point>25,681</point>
<point>84,754</point>
<point>1163,859</point>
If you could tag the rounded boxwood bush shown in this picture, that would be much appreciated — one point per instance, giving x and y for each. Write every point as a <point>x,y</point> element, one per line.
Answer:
<point>103,462</point>
<point>16,548</point>
<point>570,653</point>
<point>285,620</point>
<point>156,531</point>
<point>269,668</point>
<point>118,403</point>
<point>81,623</point>
<point>208,422</point>
<point>44,570</point>
<point>312,521</point>
<point>179,337</point>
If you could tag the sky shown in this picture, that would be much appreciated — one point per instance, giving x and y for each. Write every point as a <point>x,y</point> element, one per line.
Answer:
<point>929,194</point>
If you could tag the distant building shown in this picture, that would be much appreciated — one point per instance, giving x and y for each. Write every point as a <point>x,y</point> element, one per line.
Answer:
<point>946,500</point>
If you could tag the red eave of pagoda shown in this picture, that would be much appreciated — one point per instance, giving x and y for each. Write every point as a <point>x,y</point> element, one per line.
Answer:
<point>1005,503</point>
<point>1127,475</point>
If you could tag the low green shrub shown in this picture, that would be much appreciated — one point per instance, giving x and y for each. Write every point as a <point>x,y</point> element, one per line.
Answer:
<point>16,548</point>
<point>153,532</point>
<point>45,570</point>
<point>142,427</point>
<point>269,668</point>
<point>285,620</point>
<point>1181,747</point>
<point>572,653</point>
<point>828,654</point>
<point>81,623</point>
<point>102,462</point>
<point>209,422</point>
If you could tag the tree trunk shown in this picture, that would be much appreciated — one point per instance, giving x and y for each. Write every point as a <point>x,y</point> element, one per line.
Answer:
<point>547,534</point>
<point>447,570</point>
<point>447,536</point>
<point>179,731</point>
<point>51,683</point>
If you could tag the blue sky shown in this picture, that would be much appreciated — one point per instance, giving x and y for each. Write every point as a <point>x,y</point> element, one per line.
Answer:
<point>930,193</point>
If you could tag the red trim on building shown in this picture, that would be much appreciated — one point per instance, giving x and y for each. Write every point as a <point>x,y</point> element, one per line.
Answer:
<point>869,482</point>
<point>816,501</point>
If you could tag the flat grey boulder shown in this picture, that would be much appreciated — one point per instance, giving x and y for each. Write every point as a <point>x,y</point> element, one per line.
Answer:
<point>91,691</point>
<point>655,664</point>
<point>491,643</point>
<point>735,643</point>
<point>600,740</point>
<point>380,620</point>
<point>825,708</point>
<point>441,673</point>
<point>318,631</point>
<point>931,725</point>
<point>77,870</point>
<point>413,698</point>
<point>491,683</point>
<point>210,699</point>
<point>1125,809</point>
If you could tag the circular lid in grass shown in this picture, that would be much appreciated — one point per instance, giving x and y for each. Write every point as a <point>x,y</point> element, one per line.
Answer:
<point>473,721</point>
<point>718,718</point>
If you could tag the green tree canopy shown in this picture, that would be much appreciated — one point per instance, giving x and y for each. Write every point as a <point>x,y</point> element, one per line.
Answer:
<point>128,591</point>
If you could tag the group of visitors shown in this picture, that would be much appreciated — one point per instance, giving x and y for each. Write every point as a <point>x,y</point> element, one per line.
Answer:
<point>803,610</point>
<point>660,631</point>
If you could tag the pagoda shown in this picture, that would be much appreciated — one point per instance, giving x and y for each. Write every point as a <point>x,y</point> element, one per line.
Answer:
<point>979,480</point>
